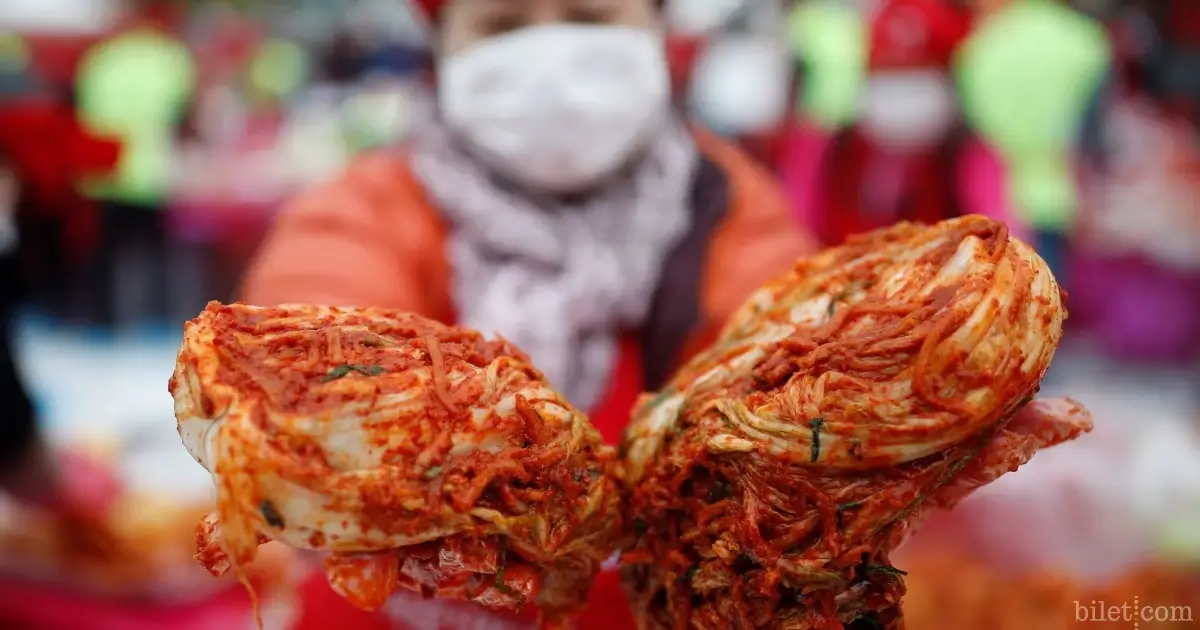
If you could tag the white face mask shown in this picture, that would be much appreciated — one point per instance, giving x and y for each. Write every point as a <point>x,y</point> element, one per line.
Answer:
<point>557,107</point>
<point>907,111</point>
<point>742,85</point>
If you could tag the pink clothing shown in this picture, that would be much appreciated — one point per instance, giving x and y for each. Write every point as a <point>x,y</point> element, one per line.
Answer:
<point>984,186</point>
<point>981,172</point>
<point>804,149</point>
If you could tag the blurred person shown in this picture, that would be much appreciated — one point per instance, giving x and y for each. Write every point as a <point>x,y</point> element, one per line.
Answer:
<point>1177,69</point>
<point>556,199</point>
<point>1137,43</point>
<point>43,136</point>
<point>40,152</point>
<point>899,160</point>
<point>701,17</point>
<point>827,40</point>
<point>17,409</point>
<point>18,79</point>
<point>1029,77</point>
<point>1136,252</point>
<point>691,25</point>
<point>135,86</point>
<point>742,84</point>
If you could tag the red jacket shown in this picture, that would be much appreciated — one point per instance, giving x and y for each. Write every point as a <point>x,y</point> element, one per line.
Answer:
<point>862,189</point>
<point>52,152</point>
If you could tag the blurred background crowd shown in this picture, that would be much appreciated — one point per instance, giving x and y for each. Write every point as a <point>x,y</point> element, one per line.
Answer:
<point>147,145</point>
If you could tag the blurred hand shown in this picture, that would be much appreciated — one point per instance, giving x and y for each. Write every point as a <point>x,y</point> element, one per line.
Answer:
<point>85,486</point>
<point>76,491</point>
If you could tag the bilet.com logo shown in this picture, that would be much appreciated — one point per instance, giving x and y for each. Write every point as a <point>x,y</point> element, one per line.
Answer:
<point>1136,612</point>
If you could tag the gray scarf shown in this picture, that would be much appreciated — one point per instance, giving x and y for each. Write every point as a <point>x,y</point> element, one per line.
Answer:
<point>560,280</point>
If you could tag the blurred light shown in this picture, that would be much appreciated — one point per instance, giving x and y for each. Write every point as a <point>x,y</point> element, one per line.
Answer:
<point>60,16</point>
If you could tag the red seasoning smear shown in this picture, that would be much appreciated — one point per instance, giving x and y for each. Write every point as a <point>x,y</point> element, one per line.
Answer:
<point>421,455</point>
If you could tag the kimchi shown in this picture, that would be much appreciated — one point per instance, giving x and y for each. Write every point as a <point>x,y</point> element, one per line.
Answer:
<point>773,476</point>
<point>419,456</point>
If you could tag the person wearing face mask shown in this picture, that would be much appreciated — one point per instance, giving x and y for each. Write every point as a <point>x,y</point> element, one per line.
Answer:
<point>742,83</point>
<point>555,199</point>
<point>899,159</point>
<point>1034,79</point>
<point>742,73</point>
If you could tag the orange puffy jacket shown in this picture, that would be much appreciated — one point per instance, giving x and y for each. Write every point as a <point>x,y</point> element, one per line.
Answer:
<point>372,238</point>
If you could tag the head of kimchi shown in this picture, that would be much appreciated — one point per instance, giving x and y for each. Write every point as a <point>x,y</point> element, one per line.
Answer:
<point>363,430</point>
